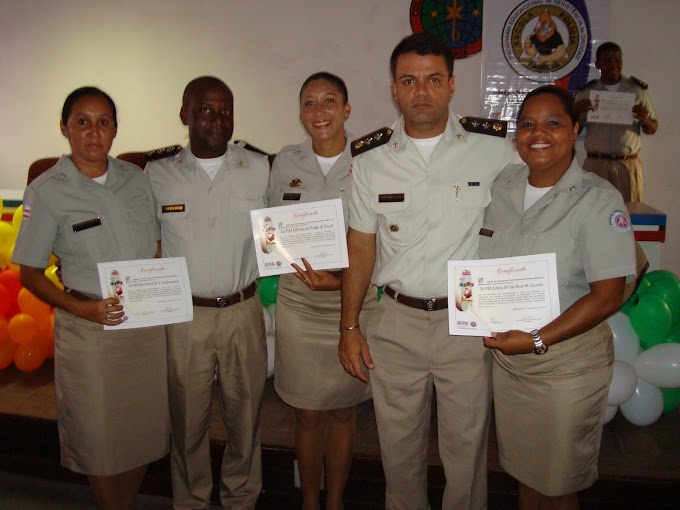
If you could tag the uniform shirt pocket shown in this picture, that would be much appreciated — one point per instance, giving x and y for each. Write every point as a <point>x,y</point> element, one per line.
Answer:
<point>175,218</point>
<point>394,223</point>
<point>563,247</point>
<point>90,239</point>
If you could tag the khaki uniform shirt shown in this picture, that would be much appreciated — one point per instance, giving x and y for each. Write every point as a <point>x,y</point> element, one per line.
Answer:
<point>614,138</point>
<point>425,214</point>
<point>297,178</point>
<point>84,222</point>
<point>582,219</point>
<point>208,221</point>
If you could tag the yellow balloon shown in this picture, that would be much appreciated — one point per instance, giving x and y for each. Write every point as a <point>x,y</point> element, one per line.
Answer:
<point>16,218</point>
<point>7,235</point>
<point>51,273</point>
<point>2,205</point>
<point>53,260</point>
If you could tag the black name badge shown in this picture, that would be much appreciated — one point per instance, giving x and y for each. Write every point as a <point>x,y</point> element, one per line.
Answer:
<point>292,196</point>
<point>84,225</point>
<point>485,232</point>
<point>391,197</point>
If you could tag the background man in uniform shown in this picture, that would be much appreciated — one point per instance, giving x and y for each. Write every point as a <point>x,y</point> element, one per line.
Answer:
<point>421,187</point>
<point>612,149</point>
<point>204,195</point>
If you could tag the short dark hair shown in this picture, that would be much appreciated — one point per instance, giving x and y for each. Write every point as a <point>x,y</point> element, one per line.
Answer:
<point>202,81</point>
<point>564,96</point>
<point>85,92</point>
<point>331,78</point>
<point>606,46</point>
<point>422,43</point>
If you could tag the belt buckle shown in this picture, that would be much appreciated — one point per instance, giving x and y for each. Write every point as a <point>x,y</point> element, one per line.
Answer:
<point>429,304</point>
<point>222,302</point>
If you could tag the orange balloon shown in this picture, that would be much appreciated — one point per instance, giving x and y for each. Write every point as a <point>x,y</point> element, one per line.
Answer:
<point>5,300</point>
<point>30,304</point>
<point>4,331</point>
<point>7,350</point>
<point>10,279</point>
<point>29,356</point>
<point>23,329</point>
<point>47,332</point>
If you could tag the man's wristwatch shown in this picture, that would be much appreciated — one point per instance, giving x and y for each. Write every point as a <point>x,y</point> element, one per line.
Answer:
<point>539,346</point>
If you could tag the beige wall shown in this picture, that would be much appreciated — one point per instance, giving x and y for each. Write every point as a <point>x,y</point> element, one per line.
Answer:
<point>143,52</point>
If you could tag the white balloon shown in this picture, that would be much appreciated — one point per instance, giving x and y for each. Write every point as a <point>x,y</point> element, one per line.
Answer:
<point>609,414</point>
<point>660,365</point>
<point>624,382</point>
<point>272,311</point>
<point>626,341</point>
<point>645,406</point>
<point>270,355</point>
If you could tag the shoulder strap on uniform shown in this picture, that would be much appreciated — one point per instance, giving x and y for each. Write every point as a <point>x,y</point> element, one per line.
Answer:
<point>164,152</point>
<point>484,126</point>
<point>371,141</point>
<point>589,84</point>
<point>639,82</point>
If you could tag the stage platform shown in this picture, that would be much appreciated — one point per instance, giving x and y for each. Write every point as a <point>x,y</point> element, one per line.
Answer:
<point>639,466</point>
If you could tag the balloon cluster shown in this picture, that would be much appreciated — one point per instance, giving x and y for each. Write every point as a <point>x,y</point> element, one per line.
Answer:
<point>268,288</point>
<point>26,323</point>
<point>646,380</point>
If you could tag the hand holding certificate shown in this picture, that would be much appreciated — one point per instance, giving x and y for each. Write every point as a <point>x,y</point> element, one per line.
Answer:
<point>315,231</point>
<point>496,295</point>
<point>152,292</point>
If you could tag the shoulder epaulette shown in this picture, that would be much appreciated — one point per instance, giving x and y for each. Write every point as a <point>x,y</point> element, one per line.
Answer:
<point>484,126</point>
<point>165,152</point>
<point>639,82</point>
<point>371,141</point>
<point>589,84</point>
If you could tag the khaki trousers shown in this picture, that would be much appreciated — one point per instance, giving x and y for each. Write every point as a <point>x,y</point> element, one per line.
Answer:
<point>625,175</point>
<point>230,343</point>
<point>413,353</point>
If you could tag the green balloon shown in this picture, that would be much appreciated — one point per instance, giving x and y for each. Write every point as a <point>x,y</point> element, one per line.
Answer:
<point>668,289</point>
<point>644,286</point>
<point>673,336</point>
<point>628,306</point>
<point>671,399</point>
<point>660,274</point>
<point>268,288</point>
<point>380,293</point>
<point>651,320</point>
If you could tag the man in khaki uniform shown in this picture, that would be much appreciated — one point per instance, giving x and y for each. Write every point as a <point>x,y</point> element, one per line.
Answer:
<point>420,188</point>
<point>204,195</point>
<point>612,149</point>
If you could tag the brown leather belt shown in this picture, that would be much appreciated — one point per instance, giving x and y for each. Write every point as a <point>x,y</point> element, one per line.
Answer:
<point>231,299</point>
<point>429,305</point>
<point>611,157</point>
<point>78,295</point>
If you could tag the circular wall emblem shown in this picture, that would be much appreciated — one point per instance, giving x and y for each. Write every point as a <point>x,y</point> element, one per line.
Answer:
<point>545,41</point>
<point>457,21</point>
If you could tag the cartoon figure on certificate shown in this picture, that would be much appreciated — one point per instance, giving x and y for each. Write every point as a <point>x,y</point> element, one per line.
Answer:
<point>116,285</point>
<point>464,291</point>
<point>267,237</point>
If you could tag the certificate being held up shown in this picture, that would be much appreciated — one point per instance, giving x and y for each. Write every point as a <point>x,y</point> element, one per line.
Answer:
<point>497,295</point>
<point>153,292</point>
<point>611,107</point>
<point>315,231</point>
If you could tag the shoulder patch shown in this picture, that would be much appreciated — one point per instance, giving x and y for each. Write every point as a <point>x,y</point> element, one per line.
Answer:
<point>484,126</point>
<point>589,84</point>
<point>164,152</point>
<point>371,141</point>
<point>639,82</point>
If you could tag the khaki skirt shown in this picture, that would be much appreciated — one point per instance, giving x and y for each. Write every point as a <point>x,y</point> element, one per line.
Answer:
<point>112,396</point>
<point>549,411</point>
<point>307,370</point>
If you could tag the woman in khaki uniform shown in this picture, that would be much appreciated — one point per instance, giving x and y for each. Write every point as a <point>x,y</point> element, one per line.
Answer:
<point>111,386</point>
<point>549,408</point>
<point>307,372</point>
